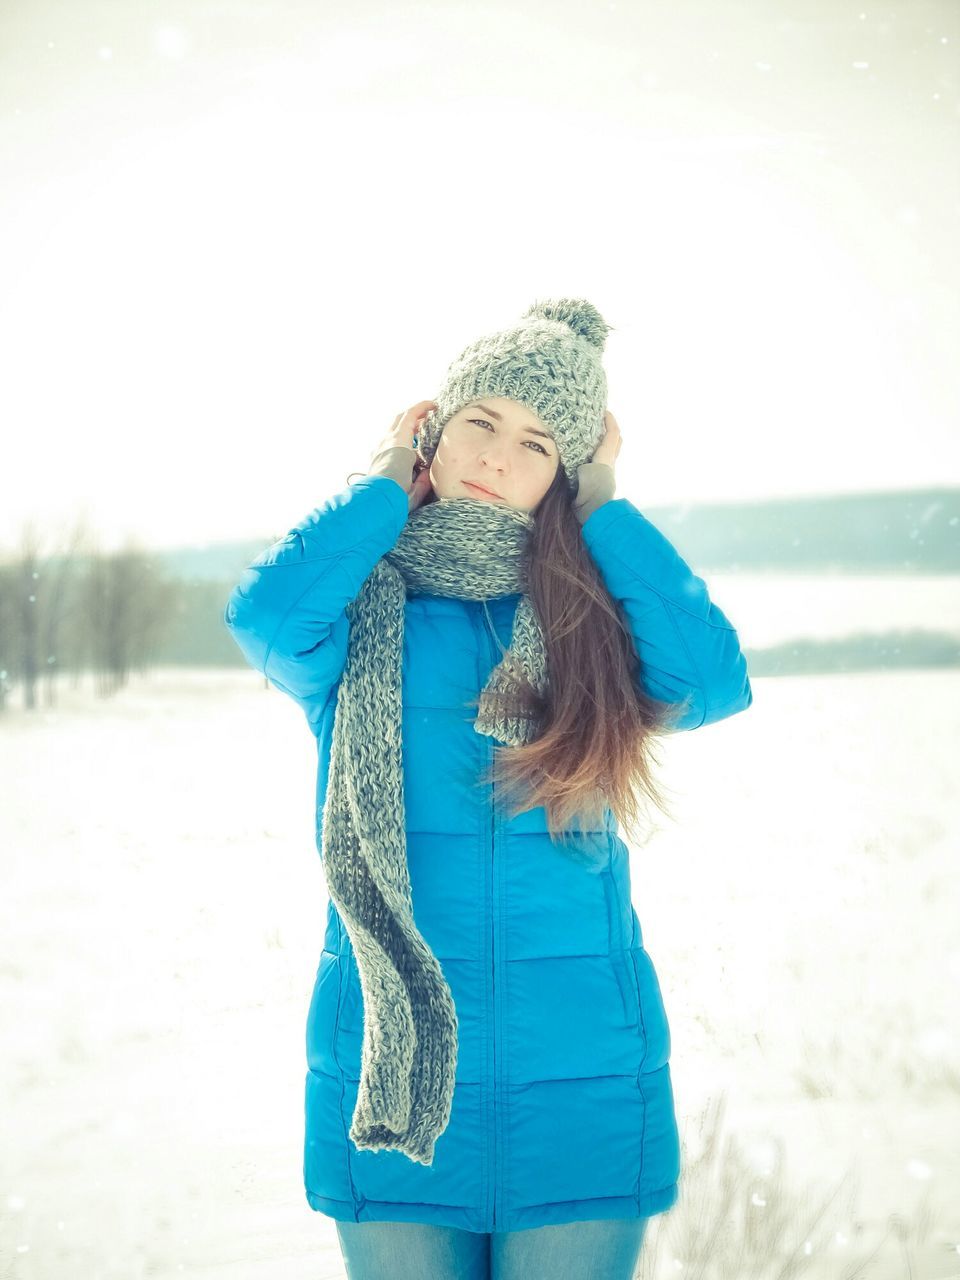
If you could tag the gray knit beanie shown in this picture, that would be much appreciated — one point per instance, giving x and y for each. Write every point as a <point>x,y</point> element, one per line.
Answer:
<point>549,362</point>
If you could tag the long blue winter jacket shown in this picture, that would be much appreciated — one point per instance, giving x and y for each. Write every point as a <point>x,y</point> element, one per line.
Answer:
<point>563,1109</point>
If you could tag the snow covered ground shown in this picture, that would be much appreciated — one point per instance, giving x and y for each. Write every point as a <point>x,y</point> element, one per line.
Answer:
<point>162,921</point>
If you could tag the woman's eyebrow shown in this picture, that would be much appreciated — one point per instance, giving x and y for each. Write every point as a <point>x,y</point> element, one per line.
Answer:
<point>534,431</point>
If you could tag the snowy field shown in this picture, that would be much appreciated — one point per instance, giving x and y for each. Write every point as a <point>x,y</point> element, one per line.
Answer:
<point>162,921</point>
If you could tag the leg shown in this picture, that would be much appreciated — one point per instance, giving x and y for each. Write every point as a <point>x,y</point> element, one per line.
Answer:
<point>609,1248</point>
<point>412,1251</point>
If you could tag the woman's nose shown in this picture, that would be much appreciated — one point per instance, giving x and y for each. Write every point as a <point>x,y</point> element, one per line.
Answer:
<point>492,458</point>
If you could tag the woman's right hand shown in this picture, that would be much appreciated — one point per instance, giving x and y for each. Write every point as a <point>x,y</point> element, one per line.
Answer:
<point>396,455</point>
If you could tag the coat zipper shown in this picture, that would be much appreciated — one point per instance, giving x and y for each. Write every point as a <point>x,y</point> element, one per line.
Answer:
<point>493,931</point>
<point>493,936</point>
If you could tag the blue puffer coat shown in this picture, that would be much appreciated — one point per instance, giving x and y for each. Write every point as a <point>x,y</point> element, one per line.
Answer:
<point>563,1109</point>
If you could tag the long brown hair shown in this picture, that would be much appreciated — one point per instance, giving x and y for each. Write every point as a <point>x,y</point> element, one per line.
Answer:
<point>597,725</point>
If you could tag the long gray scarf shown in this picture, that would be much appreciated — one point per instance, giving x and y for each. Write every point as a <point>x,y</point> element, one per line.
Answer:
<point>473,550</point>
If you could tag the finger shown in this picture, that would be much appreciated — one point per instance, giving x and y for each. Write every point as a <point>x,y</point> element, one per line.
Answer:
<point>422,408</point>
<point>413,417</point>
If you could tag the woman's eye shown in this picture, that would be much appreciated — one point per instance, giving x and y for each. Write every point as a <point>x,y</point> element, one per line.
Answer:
<point>483,423</point>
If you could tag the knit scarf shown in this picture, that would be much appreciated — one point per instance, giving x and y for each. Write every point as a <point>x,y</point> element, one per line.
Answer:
<point>474,550</point>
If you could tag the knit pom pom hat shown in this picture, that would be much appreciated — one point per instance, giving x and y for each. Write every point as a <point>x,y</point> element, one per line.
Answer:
<point>549,362</point>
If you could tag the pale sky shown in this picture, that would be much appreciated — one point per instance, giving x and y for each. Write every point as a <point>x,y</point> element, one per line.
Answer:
<point>238,238</point>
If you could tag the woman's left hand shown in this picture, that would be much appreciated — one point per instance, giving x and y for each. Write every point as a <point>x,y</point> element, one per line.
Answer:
<point>608,448</point>
<point>596,478</point>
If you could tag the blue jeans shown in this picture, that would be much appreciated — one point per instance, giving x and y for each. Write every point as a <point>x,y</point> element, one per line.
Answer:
<point>603,1250</point>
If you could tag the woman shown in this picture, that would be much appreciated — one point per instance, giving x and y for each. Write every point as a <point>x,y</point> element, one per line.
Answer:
<point>486,644</point>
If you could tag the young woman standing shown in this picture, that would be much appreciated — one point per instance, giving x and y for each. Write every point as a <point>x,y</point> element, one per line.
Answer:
<point>486,644</point>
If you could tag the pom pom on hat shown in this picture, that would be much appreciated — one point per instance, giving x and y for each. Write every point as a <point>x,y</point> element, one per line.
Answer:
<point>582,317</point>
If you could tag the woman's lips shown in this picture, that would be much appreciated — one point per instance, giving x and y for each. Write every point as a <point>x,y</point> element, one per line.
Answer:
<point>478,488</point>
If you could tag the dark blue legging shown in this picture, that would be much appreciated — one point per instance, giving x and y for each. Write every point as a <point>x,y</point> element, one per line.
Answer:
<point>603,1250</point>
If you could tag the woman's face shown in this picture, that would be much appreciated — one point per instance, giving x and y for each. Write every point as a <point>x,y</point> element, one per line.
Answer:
<point>499,444</point>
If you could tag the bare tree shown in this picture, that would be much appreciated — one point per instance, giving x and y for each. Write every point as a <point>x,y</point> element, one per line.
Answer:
<point>61,607</point>
<point>26,611</point>
<point>127,601</point>
<point>7,631</point>
<point>80,608</point>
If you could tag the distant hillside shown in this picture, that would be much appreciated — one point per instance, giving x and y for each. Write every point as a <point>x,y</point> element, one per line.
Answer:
<point>897,532</point>
<point>893,533</point>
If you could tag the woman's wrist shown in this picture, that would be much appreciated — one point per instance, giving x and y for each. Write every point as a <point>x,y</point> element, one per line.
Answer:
<point>396,462</point>
<point>596,484</point>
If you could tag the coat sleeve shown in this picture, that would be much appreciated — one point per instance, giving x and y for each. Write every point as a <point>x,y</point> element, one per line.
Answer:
<point>287,611</point>
<point>689,651</point>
